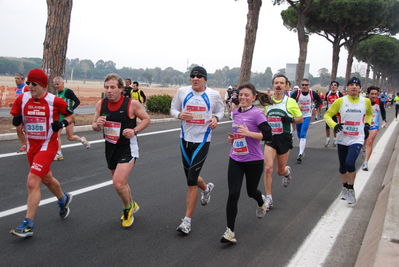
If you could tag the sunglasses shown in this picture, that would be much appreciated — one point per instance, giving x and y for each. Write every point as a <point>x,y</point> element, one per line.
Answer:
<point>305,84</point>
<point>199,76</point>
<point>334,84</point>
<point>33,83</point>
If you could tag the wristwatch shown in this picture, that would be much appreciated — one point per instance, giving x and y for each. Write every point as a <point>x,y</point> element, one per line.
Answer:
<point>136,131</point>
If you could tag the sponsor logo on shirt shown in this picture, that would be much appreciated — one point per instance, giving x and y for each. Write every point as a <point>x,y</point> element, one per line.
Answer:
<point>351,110</point>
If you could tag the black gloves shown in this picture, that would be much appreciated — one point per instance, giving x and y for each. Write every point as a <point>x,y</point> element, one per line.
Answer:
<point>338,127</point>
<point>287,119</point>
<point>366,131</point>
<point>17,120</point>
<point>57,125</point>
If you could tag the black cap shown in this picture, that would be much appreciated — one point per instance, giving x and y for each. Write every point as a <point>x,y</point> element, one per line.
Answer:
<point>199,70</point>
<point>354,80</point>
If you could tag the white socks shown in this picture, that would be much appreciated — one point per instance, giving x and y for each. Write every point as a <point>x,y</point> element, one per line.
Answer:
<point>302,145</point>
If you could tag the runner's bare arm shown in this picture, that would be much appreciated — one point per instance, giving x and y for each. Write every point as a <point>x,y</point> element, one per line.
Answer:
<point>98,121</point>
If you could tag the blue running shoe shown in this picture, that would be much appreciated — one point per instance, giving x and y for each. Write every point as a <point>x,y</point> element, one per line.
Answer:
<point>24,230</point>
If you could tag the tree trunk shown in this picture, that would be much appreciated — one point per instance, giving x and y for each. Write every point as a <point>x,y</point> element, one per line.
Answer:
<point>351,53</point>
<point>72,73</point>
<point>56,40</point>
<point>250,38</point>
<point>374,76</point>
<point>335,59</point>
<point>366,82</point>
<point>303,39</point>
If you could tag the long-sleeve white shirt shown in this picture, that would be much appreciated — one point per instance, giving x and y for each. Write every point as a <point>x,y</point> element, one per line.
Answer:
<point>203,105</point>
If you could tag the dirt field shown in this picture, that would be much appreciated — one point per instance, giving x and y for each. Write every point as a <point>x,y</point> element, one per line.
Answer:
<point>88,93</point>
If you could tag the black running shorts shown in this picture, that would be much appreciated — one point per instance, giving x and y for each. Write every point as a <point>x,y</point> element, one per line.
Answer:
<point>282,143</point>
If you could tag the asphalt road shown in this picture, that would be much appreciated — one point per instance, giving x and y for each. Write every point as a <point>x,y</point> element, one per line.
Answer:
<point>93,236</point>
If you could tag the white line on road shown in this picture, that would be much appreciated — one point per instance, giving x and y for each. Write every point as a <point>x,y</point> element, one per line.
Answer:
<point>79,191</point>
<point>317,246</point>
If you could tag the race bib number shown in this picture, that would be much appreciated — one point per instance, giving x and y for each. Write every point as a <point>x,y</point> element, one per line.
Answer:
<point>305,107</point>
<point>112,131</point>
<point>36,128</point>
<point>240,146</point>
<point>276,124</point>
<point>198,115</point>
<point>352,128</point>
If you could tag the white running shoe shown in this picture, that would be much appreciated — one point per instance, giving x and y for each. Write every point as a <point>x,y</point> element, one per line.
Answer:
<point>184,227</point>
<point>261,211</point>
<point>228,237</point>
<point>269,203</point>
<point>365,166</point>
<point>335,143</point>
<point>287,179</point>
<point>206,197</point>
<point>344,193</point>
<point>58,156</point>
<point>327,142</point>
<point>351,199</point>
<point>85,142</point>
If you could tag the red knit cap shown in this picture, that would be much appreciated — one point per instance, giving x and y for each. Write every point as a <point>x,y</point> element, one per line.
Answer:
<point>38,76</point>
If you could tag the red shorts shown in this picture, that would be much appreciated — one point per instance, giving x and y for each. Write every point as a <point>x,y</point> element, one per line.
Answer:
<point>40,162</point>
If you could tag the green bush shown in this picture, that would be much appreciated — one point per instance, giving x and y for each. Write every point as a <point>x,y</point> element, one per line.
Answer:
<point>159,103</point>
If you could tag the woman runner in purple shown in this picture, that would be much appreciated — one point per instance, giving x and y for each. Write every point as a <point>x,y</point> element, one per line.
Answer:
<point>246,156</point>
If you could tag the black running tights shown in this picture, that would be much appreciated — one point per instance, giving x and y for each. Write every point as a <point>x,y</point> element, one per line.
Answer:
<point>253,172</point>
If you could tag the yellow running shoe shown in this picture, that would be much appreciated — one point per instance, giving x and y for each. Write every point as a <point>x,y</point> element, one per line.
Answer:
<point>135,209</point>
<point>128,218</point>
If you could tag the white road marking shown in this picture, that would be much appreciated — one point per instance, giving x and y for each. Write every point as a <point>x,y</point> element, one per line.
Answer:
<point>317,246</point>
<point>79,191</point>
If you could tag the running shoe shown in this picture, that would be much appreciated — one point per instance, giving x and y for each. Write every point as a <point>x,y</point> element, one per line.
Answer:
<point>260,211</point>
<point>269,203</point>
<point>365,166</point>
<point>58,156</point>
<point>184,227</point>
<point>335,143</point>
<point>351,199</point>
<point>287,178</point>
<point>327,142</point>
<point>315,118</point>
<point>128,218</point>
<point>85,142</point>
<point>300,157</point>
<point>206,197</point>
<point>22,149</point>
<point>135,209</point>
<point>24,230</point>
<point>344,193</point>
<point>228,237</point>
<point>64,206</point>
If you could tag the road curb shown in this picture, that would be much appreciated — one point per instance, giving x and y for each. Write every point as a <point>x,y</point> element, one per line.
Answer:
<point>76,129</point>
<point>380,244</point>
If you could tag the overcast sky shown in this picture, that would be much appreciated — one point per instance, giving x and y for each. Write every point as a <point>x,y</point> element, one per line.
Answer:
<point>163,33</point>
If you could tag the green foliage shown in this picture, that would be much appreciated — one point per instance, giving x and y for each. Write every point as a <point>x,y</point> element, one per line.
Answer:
<point>159,103</point>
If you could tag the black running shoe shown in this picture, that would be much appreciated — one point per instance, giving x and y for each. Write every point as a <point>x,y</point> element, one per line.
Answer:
<point>64,206</point>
